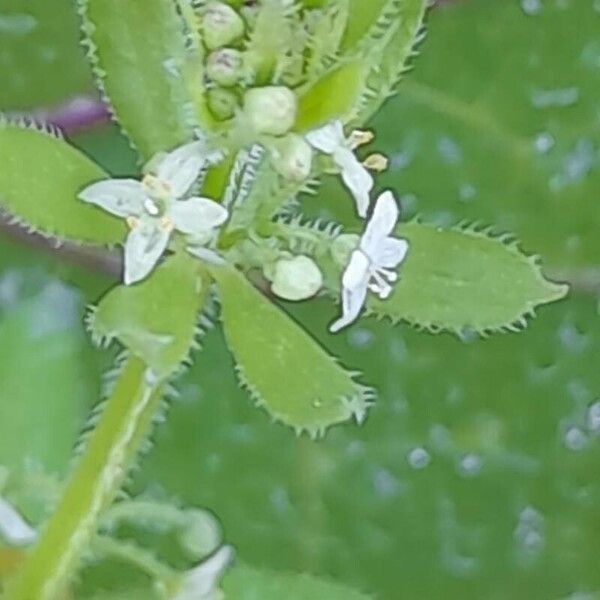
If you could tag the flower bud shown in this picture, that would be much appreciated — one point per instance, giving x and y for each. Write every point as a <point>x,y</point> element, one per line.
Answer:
<point>220,25</point>
<point>296,278</point>
<point>292,158</point>
<point>222,103</point>
<point>224,66</point>
<point>343,246</point>
<point>271,110</point>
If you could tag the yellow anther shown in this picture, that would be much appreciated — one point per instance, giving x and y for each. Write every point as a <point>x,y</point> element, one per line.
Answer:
<point>360,137</point>
<point>166,224</point>
<point>156,188</point>
<point>132,222</point>
<point>376,162</point>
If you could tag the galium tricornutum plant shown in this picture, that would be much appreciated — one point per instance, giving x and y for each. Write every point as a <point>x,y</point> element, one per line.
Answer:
<point>237,111</point>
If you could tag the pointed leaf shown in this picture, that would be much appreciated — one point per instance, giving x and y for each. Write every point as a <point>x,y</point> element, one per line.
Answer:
<point>156,319</point>
<point>387,48</point>
<point>246,583</point>
<point>333,96</point>
<point>461,280</point>
<point>137,50</point>
<point>40,178</point>
<point>285,370</point>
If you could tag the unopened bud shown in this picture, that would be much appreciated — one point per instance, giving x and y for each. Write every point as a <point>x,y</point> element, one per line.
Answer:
<point>224,66</point>
<point>297,278</point>
<point>343,246</point>
<point>222,103</point>
<point>271,110</point>
<point>220,25</point>
<point>292,158</point>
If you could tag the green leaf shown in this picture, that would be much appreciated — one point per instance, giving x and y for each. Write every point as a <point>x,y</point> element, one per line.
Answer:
<point>246,583</point>
<point>156,319</point>
<point>332,96</point>
<point>461,280</point>
<point>46,370</point>
<point>40,178</point>
<point>503,129</point>
<point>361,17</point>
<point>284,369</point>
<point>387,48</point>
<point>39,38</point>
<point>137,51</point>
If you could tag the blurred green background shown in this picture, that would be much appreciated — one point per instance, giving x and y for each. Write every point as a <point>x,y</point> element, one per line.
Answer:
<point>476,474</point>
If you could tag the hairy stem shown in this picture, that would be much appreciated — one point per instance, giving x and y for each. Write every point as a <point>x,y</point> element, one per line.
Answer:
<point>96,480</point>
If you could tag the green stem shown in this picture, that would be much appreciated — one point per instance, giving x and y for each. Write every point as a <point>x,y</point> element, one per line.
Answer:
<point>96,480</point>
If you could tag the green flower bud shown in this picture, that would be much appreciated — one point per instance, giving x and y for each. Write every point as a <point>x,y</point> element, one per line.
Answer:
<point>292,158</point>
<point>222,103</point>
<point>343,246</point>
<point>297,278</point>
<point>224,66</point>
<point>220,25</point>
<point>271,110</point>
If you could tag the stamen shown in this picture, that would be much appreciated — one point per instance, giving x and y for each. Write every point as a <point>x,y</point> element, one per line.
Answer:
<point>157,188</point>
<point>360,137</point>
<point>166,224</point>
<point>132,222</point>
<point>384,289</point>
<point>389,274</point>
<point>377,162</point>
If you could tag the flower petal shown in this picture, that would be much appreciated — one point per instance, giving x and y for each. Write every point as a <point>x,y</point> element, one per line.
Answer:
<point>196,215</point>
<point>181,168</point>
<point>207,255</point>
<point>13,528</point>
<point>144,246</point>
<point>356,177</point>
<point>120,197</point>
<point>202,582</point>
<point>382,223</point>
<point>354,290</point>
<point>327,138</point>
<point>390,253</point>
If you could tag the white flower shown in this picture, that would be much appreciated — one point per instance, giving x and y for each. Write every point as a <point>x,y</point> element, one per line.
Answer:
<point>330,140</point>
<point>202,582</point>
<point>372,264</point>
<point>155,206</point>
<point>13,528</point>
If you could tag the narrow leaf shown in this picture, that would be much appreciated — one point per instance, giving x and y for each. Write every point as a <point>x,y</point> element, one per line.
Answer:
<point>137,51</point>
<point>387,48</point>
<point>461,280</point>
<point>40,178</point>
<point>246,583</point>
<point>331,97</point>
<point>156,319</point>
<point>285,370</point>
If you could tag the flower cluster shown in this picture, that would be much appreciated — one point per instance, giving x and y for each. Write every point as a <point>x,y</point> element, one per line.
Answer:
<point>163,204</point>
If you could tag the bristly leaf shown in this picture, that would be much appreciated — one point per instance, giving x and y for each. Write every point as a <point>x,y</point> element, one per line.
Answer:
<point>361,17</point>
<point>246,583</point>
<point>156,319</point>
<point>333,96</point>
<point>137,51</point>
<point>40,179</point>
<point>284,369</point>
<point>389,44</point>
<point>465,280</point>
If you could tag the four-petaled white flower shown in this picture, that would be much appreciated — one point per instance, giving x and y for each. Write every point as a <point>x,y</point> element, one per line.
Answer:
<point>157,205</point>
<point>330,140</point>
<point>372,264</point>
